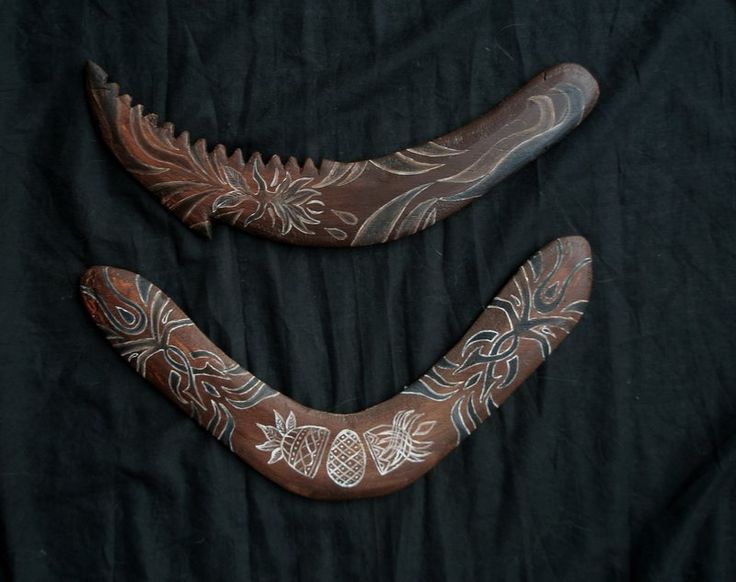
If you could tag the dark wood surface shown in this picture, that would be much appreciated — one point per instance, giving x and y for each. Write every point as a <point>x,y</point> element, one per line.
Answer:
<point>372,452</point>
<point>340,203</point>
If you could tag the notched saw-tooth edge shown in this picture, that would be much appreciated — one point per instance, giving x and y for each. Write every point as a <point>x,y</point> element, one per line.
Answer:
<point>237,159</point>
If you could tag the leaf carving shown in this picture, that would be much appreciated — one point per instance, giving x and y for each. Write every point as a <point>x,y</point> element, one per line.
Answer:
<point>272,434</point>
<point>403,165</point>
<point>280,425</point>
<point>432,149</point>
<point>276,456</point>
<point>424,428</point>
<point>290,421</point>
<point>380,224</point>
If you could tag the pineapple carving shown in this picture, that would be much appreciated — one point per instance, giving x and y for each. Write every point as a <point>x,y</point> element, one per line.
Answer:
<point>302,447</point>
<point>393,444</point>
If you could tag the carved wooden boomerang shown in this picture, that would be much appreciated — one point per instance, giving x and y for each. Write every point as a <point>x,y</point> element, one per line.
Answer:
<point>340,204</point>
<point>373,452</point>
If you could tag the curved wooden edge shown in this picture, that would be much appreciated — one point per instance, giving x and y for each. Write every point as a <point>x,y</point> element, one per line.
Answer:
<point>340,203</point>
<point>373,452</point>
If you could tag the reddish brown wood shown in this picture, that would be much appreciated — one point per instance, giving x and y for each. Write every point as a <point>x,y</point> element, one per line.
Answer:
<point>373,452</point>
<point>340,204</point>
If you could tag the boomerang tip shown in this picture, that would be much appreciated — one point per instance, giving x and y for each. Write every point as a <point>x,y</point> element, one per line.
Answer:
<point>94,283</point>
<point>577,252</point>
<point>575,242</point>
<point>96,75</point>
<point>98,83</point>
<point>89,277</point>
<point>577,249</point>
<point>95,278</point>
<point>581,77</point>
<point>105,95</point>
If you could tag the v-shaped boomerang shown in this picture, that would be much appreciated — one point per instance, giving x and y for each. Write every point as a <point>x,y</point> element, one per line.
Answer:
<point>340,203</point>
<point>373,452</point>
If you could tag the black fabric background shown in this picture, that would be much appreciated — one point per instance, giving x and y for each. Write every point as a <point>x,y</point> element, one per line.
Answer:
<point>615,461</point>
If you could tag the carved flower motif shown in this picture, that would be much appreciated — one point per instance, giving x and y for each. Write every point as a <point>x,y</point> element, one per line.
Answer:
<point>288,202</point>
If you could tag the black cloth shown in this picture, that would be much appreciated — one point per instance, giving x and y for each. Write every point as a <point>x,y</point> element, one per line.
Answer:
<point>615,461</point>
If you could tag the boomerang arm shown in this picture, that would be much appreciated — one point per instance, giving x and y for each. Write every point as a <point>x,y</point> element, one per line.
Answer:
<point>340,203</point>
<point>373,452</point>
